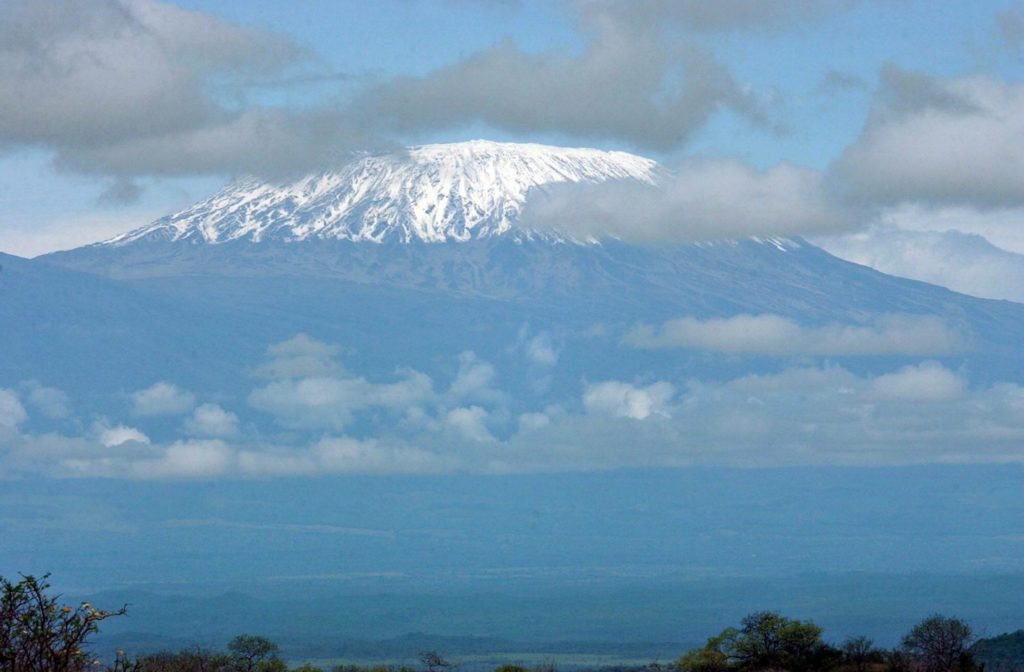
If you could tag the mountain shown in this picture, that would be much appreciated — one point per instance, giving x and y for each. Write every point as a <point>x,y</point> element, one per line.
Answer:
<point>421,251</point>
<point>432,193</point>
<point>304,381</point>
<point>963,262</point>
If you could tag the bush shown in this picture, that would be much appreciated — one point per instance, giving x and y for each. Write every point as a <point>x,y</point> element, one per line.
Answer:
<point>38,634</point>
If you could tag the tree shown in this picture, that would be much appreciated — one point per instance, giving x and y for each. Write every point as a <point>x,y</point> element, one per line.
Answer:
<point>433,661</point>
<point>187,660</point>
<point>859,652</point>
<point>38,634</point>
<point>711,658</point>
<point>251,653</point>
<point>939,644</point>
<point>766,641</point>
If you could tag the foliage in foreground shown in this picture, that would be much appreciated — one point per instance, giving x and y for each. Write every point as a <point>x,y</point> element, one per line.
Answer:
<point>38,634</point>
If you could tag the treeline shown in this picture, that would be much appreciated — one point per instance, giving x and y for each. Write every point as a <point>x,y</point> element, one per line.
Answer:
<point>767,640</point>
<point>39,634</point>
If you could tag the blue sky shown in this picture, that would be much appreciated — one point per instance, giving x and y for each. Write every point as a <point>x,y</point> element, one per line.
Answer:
<point>812,69</point>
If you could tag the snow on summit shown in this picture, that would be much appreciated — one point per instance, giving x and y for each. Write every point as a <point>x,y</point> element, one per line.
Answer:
<point>432,193</point>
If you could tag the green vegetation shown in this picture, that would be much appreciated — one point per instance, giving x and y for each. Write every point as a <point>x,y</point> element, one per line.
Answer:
<point>1004,653</point>
<point>38,634</point>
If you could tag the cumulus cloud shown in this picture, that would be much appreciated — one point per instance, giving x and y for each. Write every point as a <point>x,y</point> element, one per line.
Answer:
<point>212,421</point>
<point>126,87</point>
<point>703,200</point>
<point>470,422</point>
<point>332,402</point>
<point>939,142</point>
<point>299,357</point>
<point>928,381</point>
<point>162,399</point>
<point>923,412</point>
<point>775,335</point>
<point>50,402</point>
<point>111,436</point>
<point>630,84</point>
<point>344,455</point>
<point>187,459</point>
<point>474,380</point>
<point>12,413</point>
<point>540,350</point>
<point>625,400</point>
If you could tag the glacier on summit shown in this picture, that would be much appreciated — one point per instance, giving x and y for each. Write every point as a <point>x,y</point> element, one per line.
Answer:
<point>431,193</point>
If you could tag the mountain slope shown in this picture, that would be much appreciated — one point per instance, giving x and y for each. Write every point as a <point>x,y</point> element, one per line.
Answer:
<point>431,193</point>
<point>264,272</point>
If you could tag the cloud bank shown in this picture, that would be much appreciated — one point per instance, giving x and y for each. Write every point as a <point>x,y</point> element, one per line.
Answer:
<point>813,414</point>
<point>774,335</point>
<point>703,200</point>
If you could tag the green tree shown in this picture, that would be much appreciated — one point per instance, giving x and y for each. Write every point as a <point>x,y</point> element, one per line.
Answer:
<point>39,634</point>
<point>187,660</point>
<point>250,653</point>
<point>939,644</point>
<point>859,653</point>
<point>766,640</point>
<point>711,658</point>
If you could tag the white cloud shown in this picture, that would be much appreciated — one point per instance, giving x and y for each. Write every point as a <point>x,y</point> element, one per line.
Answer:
<point>807,415</point>
<point>470,422</point>
<point>140,87</point>
<point>704,200</point>
<point>541,350</point>
<point>332,402</point>
<point>188,459</point>
<point>12,413</point>
<point>162,399</point>
<point>344,455</point>
<point>624,400</point>
<point>50,402</point>
<point>630,83</point>
<point>112,436</point>
<point>210,420</point>
<point>300,357</point>
<point>962,262</point>
<point>474,379</point>
<point>940,142</point>
<point>769,334</point>
<point>928,381</point>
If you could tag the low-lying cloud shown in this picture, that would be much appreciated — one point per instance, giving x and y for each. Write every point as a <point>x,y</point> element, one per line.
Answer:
<point>703,200</point>
<point>921,412</point>
<point>775,335</point>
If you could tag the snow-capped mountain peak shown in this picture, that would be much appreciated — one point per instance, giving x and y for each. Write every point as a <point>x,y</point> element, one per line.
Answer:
<point>431,193</point>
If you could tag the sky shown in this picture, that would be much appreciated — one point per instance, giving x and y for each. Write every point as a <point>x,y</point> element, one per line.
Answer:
<point>889,132</point>
<point>887,126</point>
